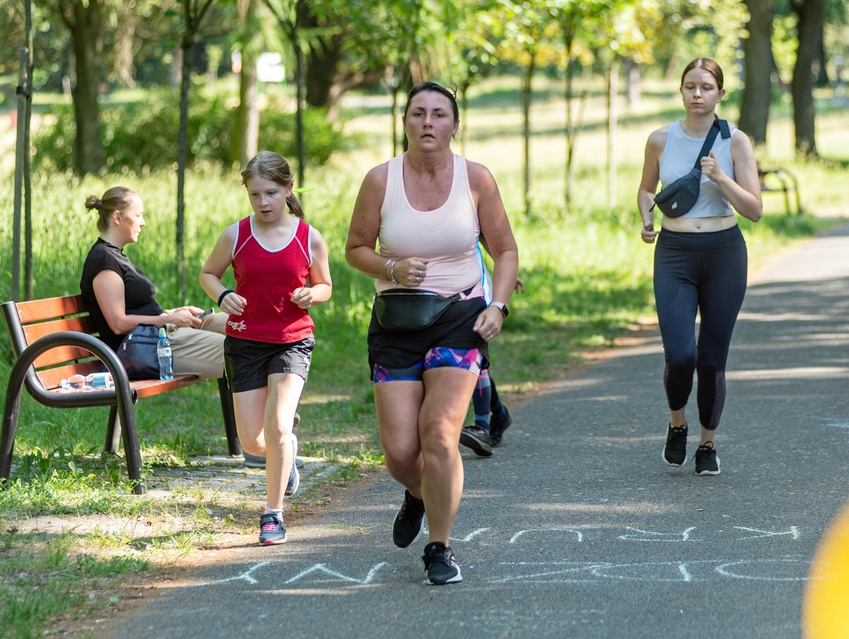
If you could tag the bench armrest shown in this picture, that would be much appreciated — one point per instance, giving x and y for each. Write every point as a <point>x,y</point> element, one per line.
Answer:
<point>22,371</point>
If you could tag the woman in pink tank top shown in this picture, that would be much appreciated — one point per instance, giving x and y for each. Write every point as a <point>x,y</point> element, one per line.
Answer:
<point>427,209</point>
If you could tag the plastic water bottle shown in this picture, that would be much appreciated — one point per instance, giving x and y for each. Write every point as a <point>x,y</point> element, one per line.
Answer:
<point>100,381</point>
<point>95,381</point>
<point>73,384</point>
<point>163,352</point>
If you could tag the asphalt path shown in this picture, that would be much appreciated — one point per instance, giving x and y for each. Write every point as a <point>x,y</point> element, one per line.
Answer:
<point>575,527</point>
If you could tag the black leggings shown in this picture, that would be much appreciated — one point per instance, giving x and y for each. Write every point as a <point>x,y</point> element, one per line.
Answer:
<point>704,272</point>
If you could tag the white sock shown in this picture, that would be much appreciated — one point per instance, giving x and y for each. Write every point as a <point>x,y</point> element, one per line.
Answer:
<point>276,511</point>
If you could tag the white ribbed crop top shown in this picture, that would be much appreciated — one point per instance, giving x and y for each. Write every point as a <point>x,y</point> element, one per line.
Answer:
<point>678,157</point>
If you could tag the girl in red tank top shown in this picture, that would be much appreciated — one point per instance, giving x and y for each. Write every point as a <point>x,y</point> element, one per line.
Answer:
<point>281,268</point>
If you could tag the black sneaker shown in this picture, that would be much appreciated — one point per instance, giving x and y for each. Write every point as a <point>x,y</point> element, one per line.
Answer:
<point>441,564</point>
<point>477,439</point>
<point>498,424</point>
<point>675,450</point>
<point>707,463</point>
<point>409,521</point>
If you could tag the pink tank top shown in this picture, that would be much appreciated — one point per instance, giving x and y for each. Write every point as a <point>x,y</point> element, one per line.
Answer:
<point>266,280</point>
<point>447,237</point>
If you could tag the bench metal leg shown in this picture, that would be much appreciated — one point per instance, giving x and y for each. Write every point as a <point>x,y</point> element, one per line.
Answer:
<point>113,432</point>
<point>10,425</point>
<point>234,448</point>
<point>131,439</point>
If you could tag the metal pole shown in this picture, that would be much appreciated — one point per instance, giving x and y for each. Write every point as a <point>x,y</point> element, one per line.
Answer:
<point>29,277</point>
<point>19,174</point>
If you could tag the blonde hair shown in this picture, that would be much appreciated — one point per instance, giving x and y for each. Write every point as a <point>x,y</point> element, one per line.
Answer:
<point>117,198</point>
<point>273,166</point>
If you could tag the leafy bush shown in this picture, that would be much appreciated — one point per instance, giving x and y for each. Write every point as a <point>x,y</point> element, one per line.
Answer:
<point>142,136</point>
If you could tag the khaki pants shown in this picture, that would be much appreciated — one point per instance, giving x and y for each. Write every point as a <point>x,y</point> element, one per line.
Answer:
<point>199,351</point>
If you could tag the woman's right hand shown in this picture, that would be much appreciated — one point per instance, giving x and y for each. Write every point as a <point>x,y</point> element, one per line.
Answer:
<point>648,233</point>
<point>184,317</point>
<point>410,271</point>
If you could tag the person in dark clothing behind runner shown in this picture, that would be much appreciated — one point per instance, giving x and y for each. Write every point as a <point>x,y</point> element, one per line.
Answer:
<point>427,209</point>
<point>700,261</point>
<point>491,416</point>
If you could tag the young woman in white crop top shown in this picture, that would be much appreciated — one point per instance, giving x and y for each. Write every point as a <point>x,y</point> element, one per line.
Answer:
<point>426,210</point>
<point>700,260</point>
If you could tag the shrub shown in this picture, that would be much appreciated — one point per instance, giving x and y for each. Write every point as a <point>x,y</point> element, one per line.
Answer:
<point>142,136</point>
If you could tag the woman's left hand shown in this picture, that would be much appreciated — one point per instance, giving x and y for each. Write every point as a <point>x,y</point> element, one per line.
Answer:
<point>488,324</point>
<point>185,317</point>
<point>710,167</point>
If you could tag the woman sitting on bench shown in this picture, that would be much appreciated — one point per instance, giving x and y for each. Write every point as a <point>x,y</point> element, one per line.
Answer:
<point>120,298</point>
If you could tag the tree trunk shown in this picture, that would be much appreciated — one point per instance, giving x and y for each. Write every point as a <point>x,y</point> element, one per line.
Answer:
<point>570,133</point>
<point>612,117</point>
<point>85,23</point>
<point>124,48</point>
<point>464,105</point>
<point>322,68</point>
<point>757,96</point>
<point>300,80</point>
<point>20,151</point>
<point>569,22</point>
<point>633,82</point>
<point>393,116</point>
<point>246,134</point>
<point>527,95</point>
<point>182,158</point>
<point>811,15</point>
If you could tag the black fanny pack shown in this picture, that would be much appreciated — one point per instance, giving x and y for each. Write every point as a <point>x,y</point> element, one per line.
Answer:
<point>138,352</point>
<point>678,198</point>
<point>407,309</point>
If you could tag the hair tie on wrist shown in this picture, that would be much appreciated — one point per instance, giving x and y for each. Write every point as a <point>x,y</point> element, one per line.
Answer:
<point>223,295</point>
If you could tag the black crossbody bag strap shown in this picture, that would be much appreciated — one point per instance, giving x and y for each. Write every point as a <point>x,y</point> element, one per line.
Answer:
<point>718,126</point>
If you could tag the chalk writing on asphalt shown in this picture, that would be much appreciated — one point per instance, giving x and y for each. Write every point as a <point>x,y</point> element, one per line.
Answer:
<point>784,568</point>
<point>684,571</point>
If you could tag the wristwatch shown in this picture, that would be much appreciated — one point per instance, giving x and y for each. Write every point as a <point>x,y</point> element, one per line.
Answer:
<point>501,306</point>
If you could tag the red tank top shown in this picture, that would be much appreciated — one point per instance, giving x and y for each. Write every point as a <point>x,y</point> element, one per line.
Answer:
<point>266,280</point>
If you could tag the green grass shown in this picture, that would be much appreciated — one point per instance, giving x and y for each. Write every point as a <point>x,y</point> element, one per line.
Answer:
<point>51,579</point>
<point>588,281</point>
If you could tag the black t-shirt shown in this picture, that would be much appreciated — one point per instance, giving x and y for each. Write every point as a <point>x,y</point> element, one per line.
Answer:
<point>139,292</point>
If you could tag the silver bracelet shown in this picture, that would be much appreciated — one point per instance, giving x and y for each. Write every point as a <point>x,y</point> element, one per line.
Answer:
<point>392,273</point>
<point>385,266</point>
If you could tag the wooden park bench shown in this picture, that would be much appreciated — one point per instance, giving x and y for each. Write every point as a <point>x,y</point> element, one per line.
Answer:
<point>779,180</point>
<point>52,339</point>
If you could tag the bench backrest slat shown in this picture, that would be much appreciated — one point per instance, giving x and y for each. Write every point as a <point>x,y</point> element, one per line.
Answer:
<point>50,308</point>
<point>62,354</point>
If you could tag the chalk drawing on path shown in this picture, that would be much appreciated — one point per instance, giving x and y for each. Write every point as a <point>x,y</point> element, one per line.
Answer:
<point>793,531</point>
<point>322,568</point>
<point>245,576</point>
<point>652,535</point>
<point>771,570</point>
<point>578,534</point>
